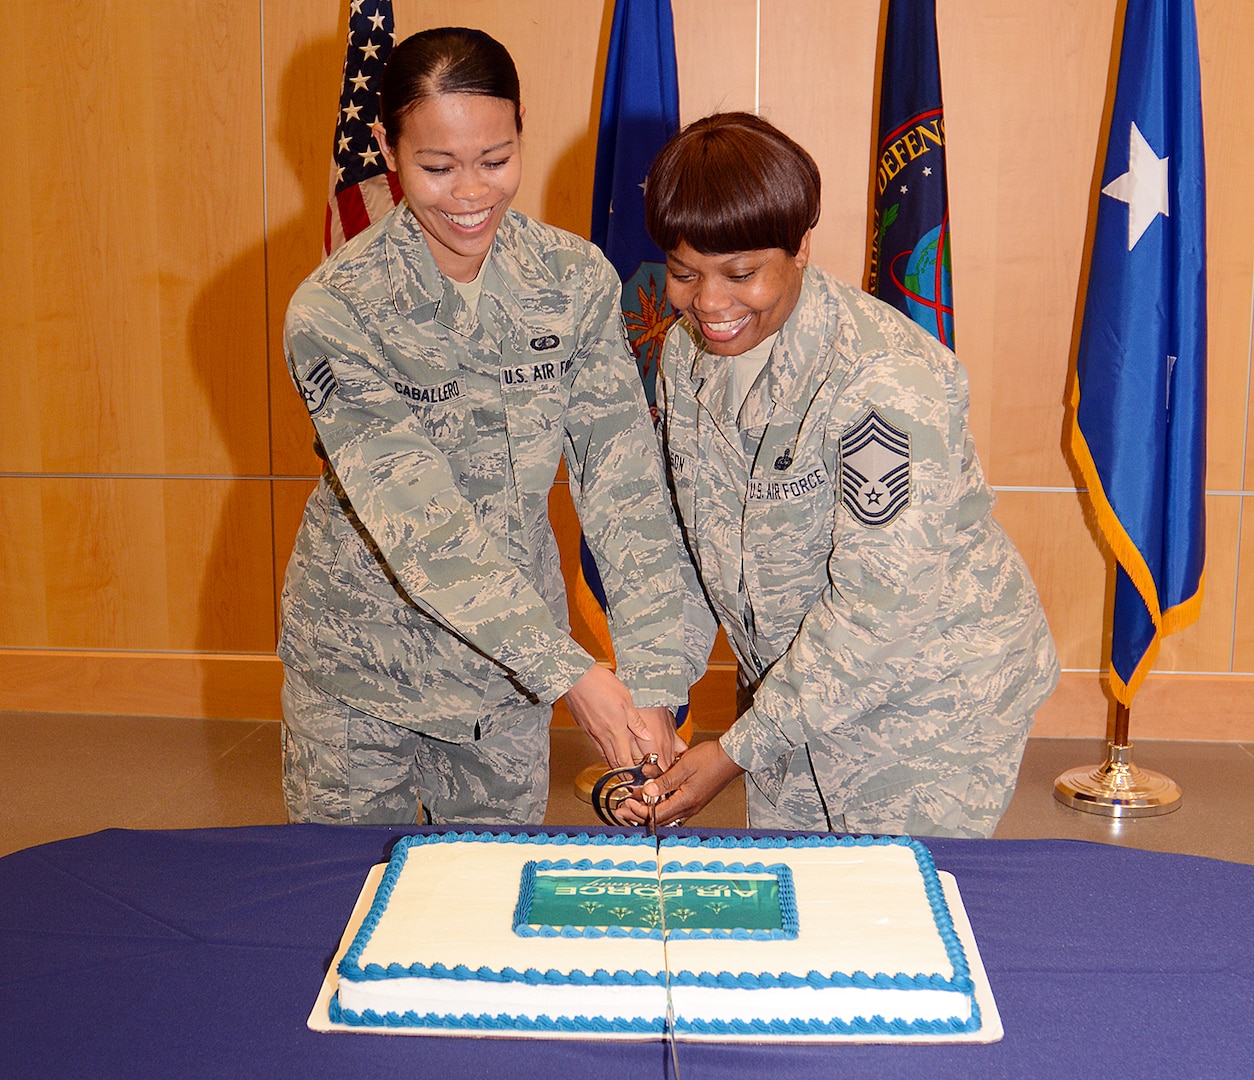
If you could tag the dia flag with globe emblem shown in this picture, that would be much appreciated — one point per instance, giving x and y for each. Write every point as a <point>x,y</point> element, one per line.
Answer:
<point>910,262</point>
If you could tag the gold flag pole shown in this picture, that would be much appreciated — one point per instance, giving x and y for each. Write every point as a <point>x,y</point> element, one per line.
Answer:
<point>1118,788</point>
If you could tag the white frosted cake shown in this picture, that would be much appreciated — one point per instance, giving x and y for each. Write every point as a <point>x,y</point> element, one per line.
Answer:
<point>796,938</point>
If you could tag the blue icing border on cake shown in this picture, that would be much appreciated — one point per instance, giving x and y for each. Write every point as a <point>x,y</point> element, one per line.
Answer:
<point>488,1022</point>
<point>875,1025</point>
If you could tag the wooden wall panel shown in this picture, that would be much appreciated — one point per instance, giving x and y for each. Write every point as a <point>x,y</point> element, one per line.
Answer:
<point>1243,616</point>
<point>1023,93</point>
<point>818,85</point>
<point>303,58</point>
<point>23,577</point>
<point>715,53</point>
<point>154,458</point>
<point>1053,536</point>
<point>1226,42</point>
<point>21,436</point>
<point>148,190</point>
<point>131,563</point>
<point>225,686</point>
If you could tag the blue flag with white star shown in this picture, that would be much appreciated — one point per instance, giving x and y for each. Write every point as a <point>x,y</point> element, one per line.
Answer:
<point>910,266</point>
<point>1139,395</point>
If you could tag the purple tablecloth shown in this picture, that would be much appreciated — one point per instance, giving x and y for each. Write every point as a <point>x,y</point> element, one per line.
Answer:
<point>200,954</point>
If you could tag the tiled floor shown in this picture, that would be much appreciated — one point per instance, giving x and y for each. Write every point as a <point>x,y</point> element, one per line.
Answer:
<point>67,775</point>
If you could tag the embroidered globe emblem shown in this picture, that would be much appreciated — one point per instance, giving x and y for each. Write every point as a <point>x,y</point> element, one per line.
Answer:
<point>927,285</point>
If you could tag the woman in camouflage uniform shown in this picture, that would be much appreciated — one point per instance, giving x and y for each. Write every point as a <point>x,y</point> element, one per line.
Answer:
<point>449,356</point>
<point>891,643</point>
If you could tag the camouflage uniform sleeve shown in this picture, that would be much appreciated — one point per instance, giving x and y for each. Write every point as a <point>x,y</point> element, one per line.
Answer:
<point>402,490</point>
<point>873,635</point>
<point>620,496</point>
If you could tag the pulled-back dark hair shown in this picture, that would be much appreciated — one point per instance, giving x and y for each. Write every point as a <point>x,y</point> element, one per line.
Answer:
<point>731,182</point>
<point>445,60</point>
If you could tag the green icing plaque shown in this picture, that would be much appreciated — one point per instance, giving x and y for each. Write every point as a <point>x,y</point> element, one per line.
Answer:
<point>563,898</point>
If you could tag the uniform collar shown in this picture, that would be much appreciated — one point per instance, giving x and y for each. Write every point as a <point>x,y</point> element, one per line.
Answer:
<point>418,287</point>
<point>800,360</point>
<point>798,363</point>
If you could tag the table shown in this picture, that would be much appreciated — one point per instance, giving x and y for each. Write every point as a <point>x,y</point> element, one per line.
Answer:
<point>199,954</point>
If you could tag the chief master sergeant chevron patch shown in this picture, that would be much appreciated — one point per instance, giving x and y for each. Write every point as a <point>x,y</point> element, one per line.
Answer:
<point>874,470</point>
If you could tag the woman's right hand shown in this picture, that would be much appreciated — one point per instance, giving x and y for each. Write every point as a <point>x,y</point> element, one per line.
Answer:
<point>601,705</point>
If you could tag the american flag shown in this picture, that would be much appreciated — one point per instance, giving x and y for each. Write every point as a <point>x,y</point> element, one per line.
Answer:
<point>362,189</point>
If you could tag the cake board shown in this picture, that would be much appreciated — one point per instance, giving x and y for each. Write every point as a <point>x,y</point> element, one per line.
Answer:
<point>990,1029</point>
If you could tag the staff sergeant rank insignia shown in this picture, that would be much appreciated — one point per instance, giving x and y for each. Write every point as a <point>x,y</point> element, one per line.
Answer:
<point>318,384</point>
<point>874,471</point>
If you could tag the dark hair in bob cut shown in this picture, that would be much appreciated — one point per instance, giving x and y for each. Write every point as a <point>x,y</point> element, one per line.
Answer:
<point>731,182</point>
<point>445,60</point>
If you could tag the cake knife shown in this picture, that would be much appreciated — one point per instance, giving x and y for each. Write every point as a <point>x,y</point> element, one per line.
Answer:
<point>669,1031</point>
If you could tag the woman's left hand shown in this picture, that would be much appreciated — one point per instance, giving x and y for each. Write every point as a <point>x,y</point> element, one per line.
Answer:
<point>699,774</point>
<point>655,733</point>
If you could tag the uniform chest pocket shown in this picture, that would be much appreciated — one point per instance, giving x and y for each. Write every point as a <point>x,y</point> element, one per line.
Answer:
<point>439,405</point>
<point>535,390</point>
<point>681,475</point>
<point>791,510</point>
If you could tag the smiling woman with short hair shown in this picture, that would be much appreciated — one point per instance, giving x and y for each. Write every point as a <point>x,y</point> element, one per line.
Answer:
<point>891,643</point>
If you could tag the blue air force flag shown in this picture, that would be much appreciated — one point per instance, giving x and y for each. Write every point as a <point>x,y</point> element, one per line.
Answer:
<point>910,266</point>
<point>1139,396</point>
<point>639,112</point>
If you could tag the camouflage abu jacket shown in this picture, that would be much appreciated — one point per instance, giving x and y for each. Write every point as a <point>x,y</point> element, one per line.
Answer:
<point>425,582</point>
<point>842,529</point>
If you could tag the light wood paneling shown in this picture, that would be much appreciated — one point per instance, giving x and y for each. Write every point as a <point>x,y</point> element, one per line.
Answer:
<point>1243,619</point>
<point>1050,531</point>
<point>152,242</point>
<point>139,210</point>
<point>1226,44</point>
<point>23,576</point>
<point>138,564</point>
<point>715,53</point>
<point>218,685</point>
<point>1023,103</point>
<point>1205,708</point>
<point>828,108</point>
<point>304,58</point>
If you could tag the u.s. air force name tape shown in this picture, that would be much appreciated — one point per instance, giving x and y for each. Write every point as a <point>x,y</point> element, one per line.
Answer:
<point>431,395</point>
<point>797,487</point>
<point>535,373</point>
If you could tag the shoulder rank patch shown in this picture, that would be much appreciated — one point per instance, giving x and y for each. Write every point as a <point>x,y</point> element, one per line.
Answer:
<point>318,384</point>
<point>874,470</point>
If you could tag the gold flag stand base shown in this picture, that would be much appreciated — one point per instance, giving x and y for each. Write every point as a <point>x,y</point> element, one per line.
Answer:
<point>1118,788</point>
<point>587,779</point>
